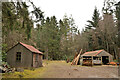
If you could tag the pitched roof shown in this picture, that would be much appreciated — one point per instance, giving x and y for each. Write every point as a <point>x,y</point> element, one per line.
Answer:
<point>31,48</point>
<point>92,53</point>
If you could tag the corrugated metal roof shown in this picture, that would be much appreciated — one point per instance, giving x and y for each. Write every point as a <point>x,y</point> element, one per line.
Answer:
<point>92,53</point>
<point>31,48</point>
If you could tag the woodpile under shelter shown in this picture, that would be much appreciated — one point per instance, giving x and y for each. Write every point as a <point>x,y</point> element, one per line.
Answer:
<point>96,57</point>
<point>23,55</point>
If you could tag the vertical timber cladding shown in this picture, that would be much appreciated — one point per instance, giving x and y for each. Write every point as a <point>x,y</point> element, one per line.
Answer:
<point>37,60</point>
<point>104,53</point>
<point>26,56</point>
<point>40,60</point>
<point>34,56</point>
<point>33,60</point>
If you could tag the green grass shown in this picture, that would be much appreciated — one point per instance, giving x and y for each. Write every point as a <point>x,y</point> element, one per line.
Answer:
<point>28,73</point>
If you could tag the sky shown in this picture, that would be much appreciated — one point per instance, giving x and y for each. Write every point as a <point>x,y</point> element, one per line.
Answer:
<point>81,10</point>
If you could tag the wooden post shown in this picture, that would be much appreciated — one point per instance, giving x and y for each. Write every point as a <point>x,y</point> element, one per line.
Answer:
<point>81,61</point>
<point>92,60</point>
<point>101,60</point>
<point>109,59</point>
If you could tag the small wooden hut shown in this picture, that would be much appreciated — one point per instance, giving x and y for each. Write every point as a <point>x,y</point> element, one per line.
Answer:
<point>96,57</point>
<point>23,55</point>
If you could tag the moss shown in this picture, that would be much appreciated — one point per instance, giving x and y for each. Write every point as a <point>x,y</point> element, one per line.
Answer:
<point>28,73</point>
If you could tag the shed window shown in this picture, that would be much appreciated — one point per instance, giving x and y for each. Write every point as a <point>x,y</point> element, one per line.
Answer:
<point>18,56</point>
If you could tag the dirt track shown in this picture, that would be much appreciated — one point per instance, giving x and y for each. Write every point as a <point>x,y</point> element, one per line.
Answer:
<point>64,70</point>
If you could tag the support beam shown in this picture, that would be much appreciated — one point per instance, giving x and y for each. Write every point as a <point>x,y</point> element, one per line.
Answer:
<point>109,59</point>
<point>81,61</point>
<point>92,60</point>
<point>101,60</point>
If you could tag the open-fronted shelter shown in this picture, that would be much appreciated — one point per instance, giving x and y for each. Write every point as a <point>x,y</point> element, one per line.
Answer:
<point>96,57</point>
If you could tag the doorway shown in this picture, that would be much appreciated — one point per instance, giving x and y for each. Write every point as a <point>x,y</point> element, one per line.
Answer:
<point>105,59</point>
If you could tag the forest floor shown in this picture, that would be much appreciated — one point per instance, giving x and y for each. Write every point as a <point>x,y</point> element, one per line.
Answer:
<point>61,69</point>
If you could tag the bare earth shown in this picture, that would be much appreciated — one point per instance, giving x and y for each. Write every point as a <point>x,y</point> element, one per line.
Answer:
<point>60,69</point>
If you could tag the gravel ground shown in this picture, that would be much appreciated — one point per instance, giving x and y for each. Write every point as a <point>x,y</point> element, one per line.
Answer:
<point>61,69</point>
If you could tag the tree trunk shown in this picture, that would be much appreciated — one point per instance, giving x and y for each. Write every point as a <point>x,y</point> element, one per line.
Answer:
<point>107,45</point>
<point>46,52</point>
<point>119,55</point>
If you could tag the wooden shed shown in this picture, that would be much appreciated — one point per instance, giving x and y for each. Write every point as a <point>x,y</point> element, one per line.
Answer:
<point>23,55</point>
<point>96,57</point>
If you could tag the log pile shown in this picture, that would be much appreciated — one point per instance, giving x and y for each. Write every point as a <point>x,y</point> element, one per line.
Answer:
<point>76,58</point>
<point>87,63</point>
<point>4,68</point>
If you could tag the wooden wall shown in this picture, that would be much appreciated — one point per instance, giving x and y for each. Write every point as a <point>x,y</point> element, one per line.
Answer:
<point>104,53</point>
<point>26,57</point>
<point>37,60</point>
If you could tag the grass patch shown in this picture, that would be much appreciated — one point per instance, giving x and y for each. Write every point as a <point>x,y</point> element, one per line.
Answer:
<point>28,73</point>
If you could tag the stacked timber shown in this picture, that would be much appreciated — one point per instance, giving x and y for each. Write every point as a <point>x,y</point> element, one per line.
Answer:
<point>76,59</point>
<point>4,68</point>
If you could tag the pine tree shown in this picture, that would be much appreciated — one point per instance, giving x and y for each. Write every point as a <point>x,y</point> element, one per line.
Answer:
<point>91,30</point>
<point>95,20</point>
